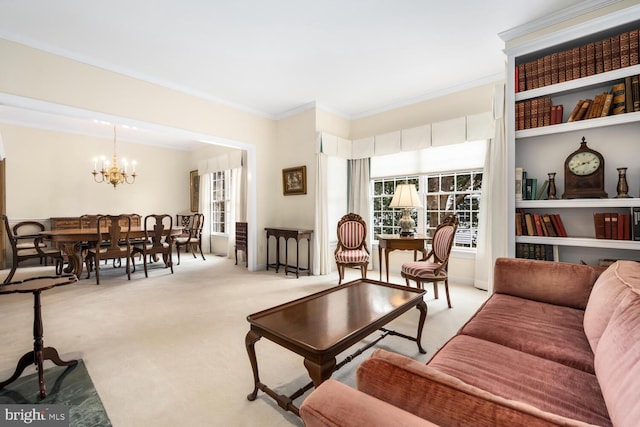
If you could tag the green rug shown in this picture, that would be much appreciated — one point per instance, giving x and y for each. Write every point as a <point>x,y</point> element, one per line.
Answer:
<point>71,386</point>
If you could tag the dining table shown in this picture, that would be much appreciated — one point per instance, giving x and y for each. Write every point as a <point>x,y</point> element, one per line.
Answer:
<point>70,241</point>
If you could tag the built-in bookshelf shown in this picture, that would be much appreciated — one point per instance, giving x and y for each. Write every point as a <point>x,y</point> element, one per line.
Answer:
<point>542,149</point>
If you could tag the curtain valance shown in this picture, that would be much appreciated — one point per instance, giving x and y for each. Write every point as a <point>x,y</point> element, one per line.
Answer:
<point>223,162</point>
<point>455,131</point>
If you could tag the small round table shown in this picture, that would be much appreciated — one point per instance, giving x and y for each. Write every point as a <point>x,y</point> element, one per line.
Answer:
<point>40,353</point>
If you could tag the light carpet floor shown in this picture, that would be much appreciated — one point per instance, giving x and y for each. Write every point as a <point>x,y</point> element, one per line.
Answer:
<point>169,350</point>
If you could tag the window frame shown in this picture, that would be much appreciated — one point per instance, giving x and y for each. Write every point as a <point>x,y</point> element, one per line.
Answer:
<point>220,196</point>
<point>468,217</point>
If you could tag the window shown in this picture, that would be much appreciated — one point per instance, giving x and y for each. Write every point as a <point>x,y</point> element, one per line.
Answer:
<point>457,193</point>
<point>219,201</point>
<point>441,194</point>
<point>386,220</point>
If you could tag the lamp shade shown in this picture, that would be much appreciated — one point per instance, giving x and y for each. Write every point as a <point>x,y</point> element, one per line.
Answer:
<point>406,196</point>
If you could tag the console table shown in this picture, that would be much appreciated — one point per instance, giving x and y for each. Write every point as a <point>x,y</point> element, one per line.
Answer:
<point>289,233</point>
<point>392,242</point>
<point>40,353</point>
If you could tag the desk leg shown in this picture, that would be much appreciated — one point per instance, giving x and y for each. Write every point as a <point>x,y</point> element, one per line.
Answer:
<point>422,306</point>
<point>320,373</point>
<point>380,261</point>
<point>39,353</point>
<point>297,258</point>
<point>386,262</point>
<point>277,253</point>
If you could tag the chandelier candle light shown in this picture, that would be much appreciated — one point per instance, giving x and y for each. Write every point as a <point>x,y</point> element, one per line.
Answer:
<point>406,197</point>
<point>112,174</point>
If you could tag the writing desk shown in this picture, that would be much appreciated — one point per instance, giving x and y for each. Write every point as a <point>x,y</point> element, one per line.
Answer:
<point>392,242</point>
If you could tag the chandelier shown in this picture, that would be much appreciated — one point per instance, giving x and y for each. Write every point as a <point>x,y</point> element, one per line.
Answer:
<point>110,172</point>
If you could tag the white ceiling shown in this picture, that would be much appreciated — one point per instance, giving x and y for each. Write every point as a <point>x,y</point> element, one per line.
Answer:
<point>351,57</point>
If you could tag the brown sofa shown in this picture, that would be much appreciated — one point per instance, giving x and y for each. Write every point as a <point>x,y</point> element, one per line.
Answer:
<point>549,347</point>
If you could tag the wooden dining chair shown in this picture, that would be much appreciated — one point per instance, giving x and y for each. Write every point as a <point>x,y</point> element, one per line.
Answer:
<point>113,242</point>
<point>192,239</point>
<point>434,267</point>
<point>27,245</point>
<point>157,241</point>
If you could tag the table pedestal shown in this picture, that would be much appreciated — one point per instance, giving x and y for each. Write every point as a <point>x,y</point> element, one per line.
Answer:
<point>40,353</point>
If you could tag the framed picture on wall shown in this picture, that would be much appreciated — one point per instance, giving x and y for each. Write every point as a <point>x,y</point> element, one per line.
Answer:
<point>294,181</point>
<point>194,190</point>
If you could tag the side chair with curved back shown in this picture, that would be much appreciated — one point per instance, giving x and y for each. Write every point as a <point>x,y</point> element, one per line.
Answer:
<point>29,246</point>
<point>433,268</point>
<point>157,241</point>
<point>113,242</point>
<point>352,250</point>
<point>192,237</point>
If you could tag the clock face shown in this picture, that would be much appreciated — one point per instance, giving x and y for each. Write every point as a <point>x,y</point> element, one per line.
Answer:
<point>584,163</point>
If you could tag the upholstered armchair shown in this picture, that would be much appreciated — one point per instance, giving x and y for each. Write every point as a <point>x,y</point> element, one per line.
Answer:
<point>433,268</point>
<point>352,250</point>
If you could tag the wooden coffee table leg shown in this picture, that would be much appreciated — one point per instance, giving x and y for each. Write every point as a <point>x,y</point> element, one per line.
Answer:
<point>320,373</point>
<point>249,341</point>
<point>422,306</point>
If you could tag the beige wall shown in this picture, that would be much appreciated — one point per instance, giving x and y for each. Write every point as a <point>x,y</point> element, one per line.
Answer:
<point>272,145</point>
<point>48,175</point>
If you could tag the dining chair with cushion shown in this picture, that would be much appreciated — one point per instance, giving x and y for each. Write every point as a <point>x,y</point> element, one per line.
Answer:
<point>113,242</point>
<point>191,238</point>
<point>433,268</point>
<point>352,250</point>
<point>157,241</point>
<point>26,243</point>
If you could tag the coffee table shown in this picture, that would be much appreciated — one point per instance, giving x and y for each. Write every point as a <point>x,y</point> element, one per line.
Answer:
<point>321,326</point>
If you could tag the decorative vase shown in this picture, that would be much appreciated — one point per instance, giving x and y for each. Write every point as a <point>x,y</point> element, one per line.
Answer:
<point>623,187</point>
<point>551,193</point>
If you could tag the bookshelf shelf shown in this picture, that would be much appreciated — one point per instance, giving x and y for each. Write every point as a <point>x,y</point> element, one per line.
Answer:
<point>580,242</point>
<point>578,203</point>
<point>580,125</point>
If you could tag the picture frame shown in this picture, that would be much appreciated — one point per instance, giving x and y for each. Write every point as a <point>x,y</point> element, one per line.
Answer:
<point>294,181</point>
<point>194,190</point>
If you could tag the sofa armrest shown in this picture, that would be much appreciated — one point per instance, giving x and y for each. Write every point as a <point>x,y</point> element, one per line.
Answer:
<point>545,281</point>
<point>442,398</point>
<point>336,404</point>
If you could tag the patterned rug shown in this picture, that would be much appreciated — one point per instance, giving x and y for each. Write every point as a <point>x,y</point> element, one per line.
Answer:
<point>70,386</point>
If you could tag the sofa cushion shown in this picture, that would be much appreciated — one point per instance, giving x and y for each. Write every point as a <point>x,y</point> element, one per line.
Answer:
<point>332,403</point>
<point>550,331</point>
<point>610,288</point>
<point>545,281</point>
<point>512,374</point>
<point>617,362</point>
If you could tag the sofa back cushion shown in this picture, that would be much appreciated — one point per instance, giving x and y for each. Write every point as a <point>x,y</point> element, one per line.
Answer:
<point>545,281</point>
<point>617,362</point>
<point>609,290</point>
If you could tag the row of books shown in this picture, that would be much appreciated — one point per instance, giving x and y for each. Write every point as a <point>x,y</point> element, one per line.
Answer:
<point>534,251</point>
<point>610,53</point>
<point>624,97</point>
<point>618,226</point>
<point>535,224</point>
<point>527,188</point>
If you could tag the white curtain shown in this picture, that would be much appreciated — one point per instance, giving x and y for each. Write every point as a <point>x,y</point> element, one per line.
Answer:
<point>359,197</point>
<point>492,230</point>
<point>236,211</point>
<point>205,203</point>
<point>322,257</point>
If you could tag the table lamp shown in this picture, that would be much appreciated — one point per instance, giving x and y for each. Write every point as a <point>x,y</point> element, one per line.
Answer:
<point>406,197</point>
